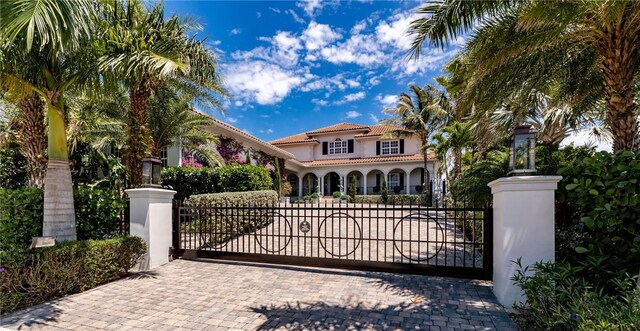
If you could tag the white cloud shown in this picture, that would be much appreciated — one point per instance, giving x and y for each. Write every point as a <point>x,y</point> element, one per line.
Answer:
<point>310,6</point>
<point>231,120</point>
<point>353,114</point>
<point>295,16</point>
<point>373,81</point>
<point>387,100</point>
<point>266,83</point>
<point>235,31</point>
<point>374,118</point>
<point>316,36</point>
<point>320,102</point>
<point>275,10</point>
<point>238,103</point>
<point>283,49</point>
<point>350,98</point>
<point>359,49</point>
<point>267,131</point>
<point>394,32</point>
<point>359,27</point>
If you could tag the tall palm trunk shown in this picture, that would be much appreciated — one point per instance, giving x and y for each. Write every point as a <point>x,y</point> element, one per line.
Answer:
<point>59,214</point>
<point>31,138</point>
<point>618,52</point>
<point>139,137</point>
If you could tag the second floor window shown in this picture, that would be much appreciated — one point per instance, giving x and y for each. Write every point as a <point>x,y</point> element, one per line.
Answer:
<point>163,156</point>
<point>390,147</point>
<point>338,147</point>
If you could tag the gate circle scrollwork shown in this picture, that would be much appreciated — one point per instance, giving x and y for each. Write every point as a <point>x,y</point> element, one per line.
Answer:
<point>276,221</point>
<point>398,230</point>
<point>323,239</point>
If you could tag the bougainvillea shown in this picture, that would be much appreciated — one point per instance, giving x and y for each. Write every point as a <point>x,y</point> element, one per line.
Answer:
<point>230,150</point>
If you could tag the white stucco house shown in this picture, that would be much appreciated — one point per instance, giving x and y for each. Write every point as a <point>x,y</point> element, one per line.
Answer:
<point>325,159</point>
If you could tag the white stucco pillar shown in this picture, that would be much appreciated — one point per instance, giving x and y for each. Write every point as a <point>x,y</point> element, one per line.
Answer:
<point>364,185</point>
<point>150,215</point>
<point>300,186</point>
<point>523,228</point>
<point>407,179</point>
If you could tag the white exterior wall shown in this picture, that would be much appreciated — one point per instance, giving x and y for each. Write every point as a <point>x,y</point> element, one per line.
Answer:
<point>317,153</point>
<point>301,153</point>
<point>174,156</point>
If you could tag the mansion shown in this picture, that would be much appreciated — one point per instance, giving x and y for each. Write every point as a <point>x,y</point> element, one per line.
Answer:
<point>326,159</point>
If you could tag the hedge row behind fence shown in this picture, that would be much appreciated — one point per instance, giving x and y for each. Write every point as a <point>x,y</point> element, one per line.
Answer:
<point>21,213</point>
<point>399,199</point>
<point>232,178</point>
<point>34,276</point>
<point>217,214</point>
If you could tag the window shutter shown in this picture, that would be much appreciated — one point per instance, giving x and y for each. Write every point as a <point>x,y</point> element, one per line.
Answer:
<point>378,147</point>
<point>422,175</point>
<point>350,146</point>
<point>378,180</point>
<point>325,148</point>
<point>402,180</point>
<point>401,146</point>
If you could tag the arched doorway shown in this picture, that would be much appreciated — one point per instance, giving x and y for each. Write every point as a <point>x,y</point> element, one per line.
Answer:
<point>309,184</point>
<point>331,183</point>
<point>416,176</point>
<point>293,181</point>
<point>359,179</point>
<point>397,181</point>
<point>374,182</point>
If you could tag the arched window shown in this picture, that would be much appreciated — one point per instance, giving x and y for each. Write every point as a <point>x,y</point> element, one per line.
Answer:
<point>338,147</point>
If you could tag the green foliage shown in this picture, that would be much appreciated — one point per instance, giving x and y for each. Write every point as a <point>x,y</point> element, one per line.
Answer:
<point>471,185</point>
<point>604,190</point>
<point>13,168</point>
<point>98,212</point>
<point>229,221</point>
<point>310,197</point>
<point>20,217</point>
<point>190,181</point>
<point>250,198</point>
<point>35,276</point>
<point>559,298</point>
<point>336,195</point>
<point>384,194</point>
<point>352,188</point>
<point>244,177</point>
<point>398,199</point>
<point>97,215</point>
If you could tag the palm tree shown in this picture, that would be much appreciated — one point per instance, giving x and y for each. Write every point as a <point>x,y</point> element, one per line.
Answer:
<point>421,114</point>
<point>453,138</point>
<point>590,48</point>
<point>45,50</point>
<point>144,51</point>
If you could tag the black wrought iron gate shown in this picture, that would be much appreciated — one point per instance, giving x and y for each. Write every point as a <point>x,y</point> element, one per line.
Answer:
<point>409,239</point>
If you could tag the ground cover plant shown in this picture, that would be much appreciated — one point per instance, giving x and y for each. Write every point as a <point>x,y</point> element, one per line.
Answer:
<point>31,277</point>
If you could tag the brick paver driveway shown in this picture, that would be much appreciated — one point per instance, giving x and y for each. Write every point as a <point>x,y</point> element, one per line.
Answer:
<point>192,295</point>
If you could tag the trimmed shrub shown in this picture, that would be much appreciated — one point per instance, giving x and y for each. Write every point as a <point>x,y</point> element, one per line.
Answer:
<point>244,177</point>
<point>21,213</point>
<point>227,221</point>
<point>98,212</point>
<point>336,195</point>
<point>20,217</point>
<point>34,276</point>
<point>251,198</point>
<point>189,181</point>
<point>400,199</point>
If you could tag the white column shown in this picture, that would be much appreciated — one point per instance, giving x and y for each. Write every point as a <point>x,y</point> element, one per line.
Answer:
<point>523,228</point>
<point>300,186</point>
<point>407,179</point>
<point>364,184</point>
<point>150,215</point>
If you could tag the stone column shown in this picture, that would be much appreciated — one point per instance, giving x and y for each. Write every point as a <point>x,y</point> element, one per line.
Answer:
<point>364,184</point>
<point>300,186</point>
<point>407,179</point>
<point>523,228</point>
<point>150,215</point>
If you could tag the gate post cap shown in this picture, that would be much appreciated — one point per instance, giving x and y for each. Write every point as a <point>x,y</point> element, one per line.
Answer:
<point>525,183</point>
<point>149,192</point>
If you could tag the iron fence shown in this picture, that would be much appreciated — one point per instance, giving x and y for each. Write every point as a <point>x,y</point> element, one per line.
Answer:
<point>452,241</point>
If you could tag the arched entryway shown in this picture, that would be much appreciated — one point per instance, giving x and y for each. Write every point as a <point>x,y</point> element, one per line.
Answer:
<point>416,177</point>
<point>359,179</point>
<point>295,185</point>
<point>397,181</point>
<point>374,181</point>
<point>309,184</point>
<point>331,183</point>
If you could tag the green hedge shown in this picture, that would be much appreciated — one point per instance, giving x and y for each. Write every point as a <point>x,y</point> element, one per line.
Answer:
<point>21,214</point>
<point>244,177</point>
<point>35,276</point>
<point>232,178</point>
<point>190,181</point>
<point>399,199</point>
<point>20,217</point>
<point>226,223</point>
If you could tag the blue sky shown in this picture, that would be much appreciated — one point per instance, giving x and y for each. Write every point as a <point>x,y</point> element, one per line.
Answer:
<point>294,66</point>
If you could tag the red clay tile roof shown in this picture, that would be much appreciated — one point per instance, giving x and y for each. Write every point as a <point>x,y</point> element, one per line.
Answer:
<point>339,127</point>
<point>379,130</point>
<point>370,131</point>
<point>378,159</point>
